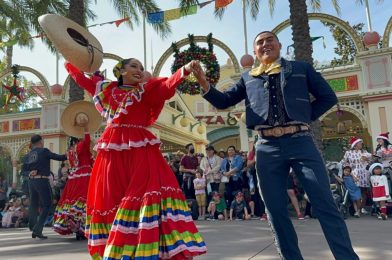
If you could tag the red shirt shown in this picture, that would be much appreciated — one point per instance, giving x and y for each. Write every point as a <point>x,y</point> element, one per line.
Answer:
<point>189,162</point>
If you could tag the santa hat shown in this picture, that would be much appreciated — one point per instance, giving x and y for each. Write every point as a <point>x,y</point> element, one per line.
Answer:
<point>384,136</point>
<point>354,141</point>
<point>374,165</point>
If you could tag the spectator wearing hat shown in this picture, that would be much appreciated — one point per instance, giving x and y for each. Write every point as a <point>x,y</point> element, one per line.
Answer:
<point>217,207</point>
<point>353,190</point>
<point>238,208</point>
<point>380,188</point>
<point>358,158</point>
<point>38,164</point>
<point>188,167</point>
<point>384,151</point>
<point>210,165</point>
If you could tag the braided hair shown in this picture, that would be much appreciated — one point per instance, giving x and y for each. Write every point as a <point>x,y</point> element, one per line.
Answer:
<point>72,141</point>
<point>117,70</point>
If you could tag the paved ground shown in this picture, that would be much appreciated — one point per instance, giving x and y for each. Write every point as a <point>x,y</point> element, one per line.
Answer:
<point>372,239</point>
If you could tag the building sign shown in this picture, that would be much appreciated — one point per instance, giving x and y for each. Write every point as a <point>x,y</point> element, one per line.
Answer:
<point>25,124</point>
<point>344,84</point>
<point>230,119</point>
<point>4,127</point>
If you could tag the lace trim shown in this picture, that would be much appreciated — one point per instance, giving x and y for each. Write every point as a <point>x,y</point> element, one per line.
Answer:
<point>70,177</point>
<point>179,249</point>
<point>126,146</point>
<point>129,198</point>
<point>135,230</point>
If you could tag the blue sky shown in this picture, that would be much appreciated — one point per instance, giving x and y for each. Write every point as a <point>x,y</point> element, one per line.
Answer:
<point>127,43</point>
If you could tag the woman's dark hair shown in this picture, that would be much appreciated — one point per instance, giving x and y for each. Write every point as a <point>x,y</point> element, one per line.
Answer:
<point>231,146</point>
<point>385,145</point>
<point>123,63</point>
<point>72,141</point>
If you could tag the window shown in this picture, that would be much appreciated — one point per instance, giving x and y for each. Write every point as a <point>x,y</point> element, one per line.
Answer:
<point>199,107</point>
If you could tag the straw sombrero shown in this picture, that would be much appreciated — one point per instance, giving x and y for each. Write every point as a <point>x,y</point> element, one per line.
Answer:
<point>74,42</point>
<point>80,108</point>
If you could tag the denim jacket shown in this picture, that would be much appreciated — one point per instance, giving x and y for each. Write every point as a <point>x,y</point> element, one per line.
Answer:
<point>299,80</point>
<point>236,163</point>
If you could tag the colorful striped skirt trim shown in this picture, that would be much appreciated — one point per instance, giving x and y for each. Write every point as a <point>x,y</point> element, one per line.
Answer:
<point>155,226</point>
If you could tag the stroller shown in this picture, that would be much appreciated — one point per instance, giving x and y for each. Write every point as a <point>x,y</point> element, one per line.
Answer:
<point>339,191</point>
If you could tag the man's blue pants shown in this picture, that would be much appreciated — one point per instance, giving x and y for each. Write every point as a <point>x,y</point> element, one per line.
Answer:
<point>275,156</point>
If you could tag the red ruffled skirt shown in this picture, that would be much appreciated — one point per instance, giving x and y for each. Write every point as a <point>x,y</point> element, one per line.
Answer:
<point>135,209</point>
<point>70,214</point>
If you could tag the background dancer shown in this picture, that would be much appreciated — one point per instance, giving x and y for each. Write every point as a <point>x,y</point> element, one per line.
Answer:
<point>37,162</point>
<point>70,215</point>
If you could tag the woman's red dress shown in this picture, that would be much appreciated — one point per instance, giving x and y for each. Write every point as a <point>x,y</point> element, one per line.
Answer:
<point>135,209</point>
<point>70,214</point>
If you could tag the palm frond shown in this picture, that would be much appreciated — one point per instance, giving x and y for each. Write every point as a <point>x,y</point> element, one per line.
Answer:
<point>254,6</point>
<point>336,5</point>
<point>219,12</point>
<point>186,4</point>
<point>315,5</point>
<point>271,6</point>
<point>163,29</point>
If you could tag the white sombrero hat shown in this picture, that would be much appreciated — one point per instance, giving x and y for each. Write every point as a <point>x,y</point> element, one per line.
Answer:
<point>74,42</point>
<point>80,108</point>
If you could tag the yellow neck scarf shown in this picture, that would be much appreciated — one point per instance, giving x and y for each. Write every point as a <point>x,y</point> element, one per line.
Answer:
<point>269,69</point>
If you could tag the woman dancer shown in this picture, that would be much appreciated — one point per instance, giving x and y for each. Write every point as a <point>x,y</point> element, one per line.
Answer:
<point>135,209</point>
<point>70,214</point>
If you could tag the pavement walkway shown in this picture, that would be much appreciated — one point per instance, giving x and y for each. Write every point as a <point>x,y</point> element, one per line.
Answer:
<point>372,240</point>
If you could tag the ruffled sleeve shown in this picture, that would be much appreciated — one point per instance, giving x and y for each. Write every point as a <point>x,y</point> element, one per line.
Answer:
<point>84,82</point>
<point>84,144</point>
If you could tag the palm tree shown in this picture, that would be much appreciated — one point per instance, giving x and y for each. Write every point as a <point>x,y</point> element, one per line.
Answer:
<point>18,17</point>
<point>12,35</point>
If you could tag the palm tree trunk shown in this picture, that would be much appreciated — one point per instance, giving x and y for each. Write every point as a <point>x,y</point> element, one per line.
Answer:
<point>303,49</point>
<point>76,13</point>
<point>9,53</point>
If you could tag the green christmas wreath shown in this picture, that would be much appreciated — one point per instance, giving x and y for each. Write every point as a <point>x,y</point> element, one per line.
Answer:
<point>207,58</point>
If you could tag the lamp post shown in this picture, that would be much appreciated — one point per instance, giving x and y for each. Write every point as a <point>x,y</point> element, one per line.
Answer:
<point>369,21</point>
<point>244,21</point>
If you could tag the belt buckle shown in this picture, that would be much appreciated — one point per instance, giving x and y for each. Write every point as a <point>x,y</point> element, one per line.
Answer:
<point>277,131</point>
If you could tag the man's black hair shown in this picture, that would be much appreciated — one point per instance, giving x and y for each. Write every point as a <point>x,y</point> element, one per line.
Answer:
<point>35,139</point>
<point>187,146</point>
<point>274,34</point>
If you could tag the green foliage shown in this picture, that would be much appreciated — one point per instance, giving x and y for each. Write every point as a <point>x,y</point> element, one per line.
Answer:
<point>345,45</point>
<point>206,57</point>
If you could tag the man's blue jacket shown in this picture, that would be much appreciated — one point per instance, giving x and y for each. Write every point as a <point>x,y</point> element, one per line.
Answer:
<point>299,80</point>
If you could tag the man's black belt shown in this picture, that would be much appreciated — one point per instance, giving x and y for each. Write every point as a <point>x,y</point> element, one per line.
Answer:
<point>279,131</point>
<point>38,177</point>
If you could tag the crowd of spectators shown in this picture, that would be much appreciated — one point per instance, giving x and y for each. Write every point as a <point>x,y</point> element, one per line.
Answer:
<point>223,184</point>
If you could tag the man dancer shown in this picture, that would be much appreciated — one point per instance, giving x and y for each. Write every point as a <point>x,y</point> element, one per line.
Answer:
<point>37,162</point>
<point>278,106</point>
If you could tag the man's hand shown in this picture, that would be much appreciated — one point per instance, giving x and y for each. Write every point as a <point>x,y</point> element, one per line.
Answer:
<point>200,76</point>
<point>189,67</point>
<point>33,173</point>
